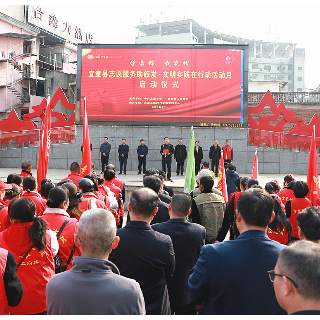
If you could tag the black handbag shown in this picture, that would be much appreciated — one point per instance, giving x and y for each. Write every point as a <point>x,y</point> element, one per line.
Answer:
<point>59,267</point>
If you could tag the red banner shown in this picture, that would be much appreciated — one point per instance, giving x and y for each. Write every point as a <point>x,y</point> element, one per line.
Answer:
<point>254,173</point>
<point>162,85</point>
<point>222,185</point>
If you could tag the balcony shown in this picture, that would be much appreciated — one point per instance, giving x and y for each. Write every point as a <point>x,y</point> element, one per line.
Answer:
<point>287,97</point>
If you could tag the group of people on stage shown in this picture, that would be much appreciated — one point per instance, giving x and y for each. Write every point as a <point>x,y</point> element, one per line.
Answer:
<point>179,153</point>
<point>66,248</point>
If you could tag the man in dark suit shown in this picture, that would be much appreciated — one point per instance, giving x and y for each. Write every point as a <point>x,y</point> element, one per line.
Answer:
<point>231,276</point>
<point>198,157</point>
<point>214,156</point>
<point>187,238</point>
<point>145,255</point>
<point>154,183</point>
<point>167,150</point>
<point>123,151</point>
<point>180,155</point>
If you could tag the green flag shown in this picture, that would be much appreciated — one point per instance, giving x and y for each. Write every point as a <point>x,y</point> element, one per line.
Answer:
<point>190,173</point>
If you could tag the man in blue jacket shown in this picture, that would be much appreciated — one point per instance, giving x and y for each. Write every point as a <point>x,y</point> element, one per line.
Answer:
<point>123,151</point>
<point>231,276</point>
<point>214,156</point>
<point>142,151</point>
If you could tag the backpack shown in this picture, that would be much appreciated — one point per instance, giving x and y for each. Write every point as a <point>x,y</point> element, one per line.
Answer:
<point>59,267</point>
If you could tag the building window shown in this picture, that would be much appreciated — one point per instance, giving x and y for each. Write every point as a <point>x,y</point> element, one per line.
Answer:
<point>267,77</point>
<point>299,78</point>
<point>267,67</point>
<point>299,89</point>
<point>280,77</point>
<point>255,66</point>
<point>290,87</point>
<point>289,67</point>
<point>299,68</point>
<point>289,78</point>
<point>254,76</point>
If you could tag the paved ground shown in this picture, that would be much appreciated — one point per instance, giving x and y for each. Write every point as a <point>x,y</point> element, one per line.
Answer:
<point>132,179</point>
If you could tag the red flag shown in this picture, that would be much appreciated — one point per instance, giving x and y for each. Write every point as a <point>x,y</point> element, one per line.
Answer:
<point>222,185</point>
<point>254,173</point>
<point>44,149</point>
<point>86,166</point>
<point>312,177</point>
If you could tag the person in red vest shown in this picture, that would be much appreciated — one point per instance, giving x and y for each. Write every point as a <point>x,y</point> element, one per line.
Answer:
<point>109,176</point>
<point>101,194</point>
<point>30,188</point>
<point>287,192</point>
<point>56,215</point>
<point>118,182</point>
<point>227,153</point>
<point>90,200</point>
<point>296,205</point>
<point>74,174</point>
<point>4,218</point>
<point>11,289</point>
<point>26,168</point>
<point>33,247</point>
<point>46,186</point>
<point>279,229</point>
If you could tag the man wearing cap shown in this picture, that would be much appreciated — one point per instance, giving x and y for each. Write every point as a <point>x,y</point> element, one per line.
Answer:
<point>4,217</point>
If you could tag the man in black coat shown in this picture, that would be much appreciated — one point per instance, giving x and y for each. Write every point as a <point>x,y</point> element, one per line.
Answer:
<point>180,155</point>
<point>105,151</point>
<point>188,239</point>
<point>145,255</point>
<point>215,155</point>
<point>123,151</point>
<point>167,150</point>
<point>198,156</point>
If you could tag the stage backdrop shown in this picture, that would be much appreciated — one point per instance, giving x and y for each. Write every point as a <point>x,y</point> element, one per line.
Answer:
<point>161,84</point>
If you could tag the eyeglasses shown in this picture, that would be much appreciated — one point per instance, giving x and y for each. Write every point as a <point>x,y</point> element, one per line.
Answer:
<point>272,275</point>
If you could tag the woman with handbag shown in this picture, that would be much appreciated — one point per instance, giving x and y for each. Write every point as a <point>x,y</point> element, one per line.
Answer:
<point>65,227</point>
<point>33,247</point>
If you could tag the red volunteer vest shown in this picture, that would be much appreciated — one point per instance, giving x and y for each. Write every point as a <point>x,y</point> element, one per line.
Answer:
<point>25,174</point>
<point>115,191</point>
<point>37,199</point>
<point>34,272</point>
<point>285,195</point>
<point>4,306</point>
<point>66,239</point>
<point>297,205</point>
<point>75,177</point>
<point>118,182</point>
<point>4,219</point>
<point>102,196</point>
<point>279,236</point>
<point>236,197</point>
<point>227,152</point>
<point>84,205</point>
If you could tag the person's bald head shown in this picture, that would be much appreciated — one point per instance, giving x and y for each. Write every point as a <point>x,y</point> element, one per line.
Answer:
<point>144,202</point>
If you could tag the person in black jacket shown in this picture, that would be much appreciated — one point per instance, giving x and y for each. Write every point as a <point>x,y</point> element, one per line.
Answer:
<point>142,151</point>
<point>145,255</point>
<point>167,150</point>
<point>123,151</point>
<point>12,286</point>
<point>188,239</point>
<point>198,157</point>
<point>105,151</point>
<point>180,155</point>
<point>215,155</point>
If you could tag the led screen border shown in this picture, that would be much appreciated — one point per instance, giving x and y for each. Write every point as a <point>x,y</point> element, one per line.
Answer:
<point>244,80</point>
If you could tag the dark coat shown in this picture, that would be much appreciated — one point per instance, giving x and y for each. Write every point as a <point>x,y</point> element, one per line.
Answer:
<point>105,148</point>
<point>231,177</point>
<point>215,153</point>
<point>123,149</point>
<point>198,155</point>
<point>142,150</point>
<point>187,239</point>
<point>180,153</point>
<point>168,146</point>
<point>165,198</point>
<point>232,276</point>
<point>163,214</point>
<point>146,256</point>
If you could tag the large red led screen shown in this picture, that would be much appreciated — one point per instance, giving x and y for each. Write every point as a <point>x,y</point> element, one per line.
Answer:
<point>163,85</point>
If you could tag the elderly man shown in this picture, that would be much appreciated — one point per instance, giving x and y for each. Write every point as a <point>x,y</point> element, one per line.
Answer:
<point>296,278</point>
<point>146,255</point>
<point>94,284</point>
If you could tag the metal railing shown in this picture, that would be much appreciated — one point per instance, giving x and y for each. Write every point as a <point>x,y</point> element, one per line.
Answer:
<point>287,97</point>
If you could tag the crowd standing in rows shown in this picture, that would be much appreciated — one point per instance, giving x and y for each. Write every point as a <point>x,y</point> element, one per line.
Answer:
<point>64,248</point>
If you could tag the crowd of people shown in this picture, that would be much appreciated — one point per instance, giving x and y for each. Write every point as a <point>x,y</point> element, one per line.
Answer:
<point>179,153</point>
<point>66,248</point>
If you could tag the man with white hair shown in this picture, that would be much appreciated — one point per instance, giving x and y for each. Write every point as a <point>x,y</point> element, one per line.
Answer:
<point>94,284</point>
